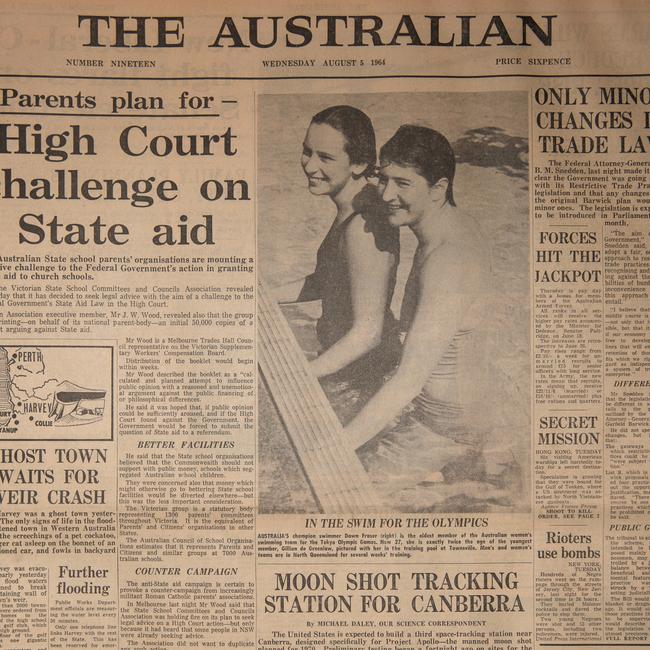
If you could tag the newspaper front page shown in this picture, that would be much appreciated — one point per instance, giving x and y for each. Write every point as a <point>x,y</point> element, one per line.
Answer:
<point>324,325</point>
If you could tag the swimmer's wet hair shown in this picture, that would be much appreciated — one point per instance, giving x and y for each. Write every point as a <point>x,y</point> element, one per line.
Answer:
<point>428,151</point>
<point>356,127</point>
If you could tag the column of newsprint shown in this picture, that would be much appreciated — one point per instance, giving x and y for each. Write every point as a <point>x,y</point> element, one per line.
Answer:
<point>126,366</point>
<point>591,279</point>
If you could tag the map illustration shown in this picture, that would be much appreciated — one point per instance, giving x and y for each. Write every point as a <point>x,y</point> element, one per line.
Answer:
<point>55,392</point>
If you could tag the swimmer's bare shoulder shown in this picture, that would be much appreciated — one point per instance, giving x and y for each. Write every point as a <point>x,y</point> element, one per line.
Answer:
<point>372,216</point>
<point>356,235</point>
<point>365,233</point>
<point>468,244</point>
<point>455,262</point>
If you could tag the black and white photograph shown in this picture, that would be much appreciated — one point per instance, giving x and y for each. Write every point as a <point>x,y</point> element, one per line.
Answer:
<point>394,327</point>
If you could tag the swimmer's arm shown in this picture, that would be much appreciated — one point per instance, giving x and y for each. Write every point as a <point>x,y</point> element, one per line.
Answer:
<point>370,272</point>
<point>438,317</point>
<point>302,290</point>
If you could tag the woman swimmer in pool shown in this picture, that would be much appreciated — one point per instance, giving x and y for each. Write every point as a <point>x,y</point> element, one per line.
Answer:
<point>443,303</point>
<point>357,261</point>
